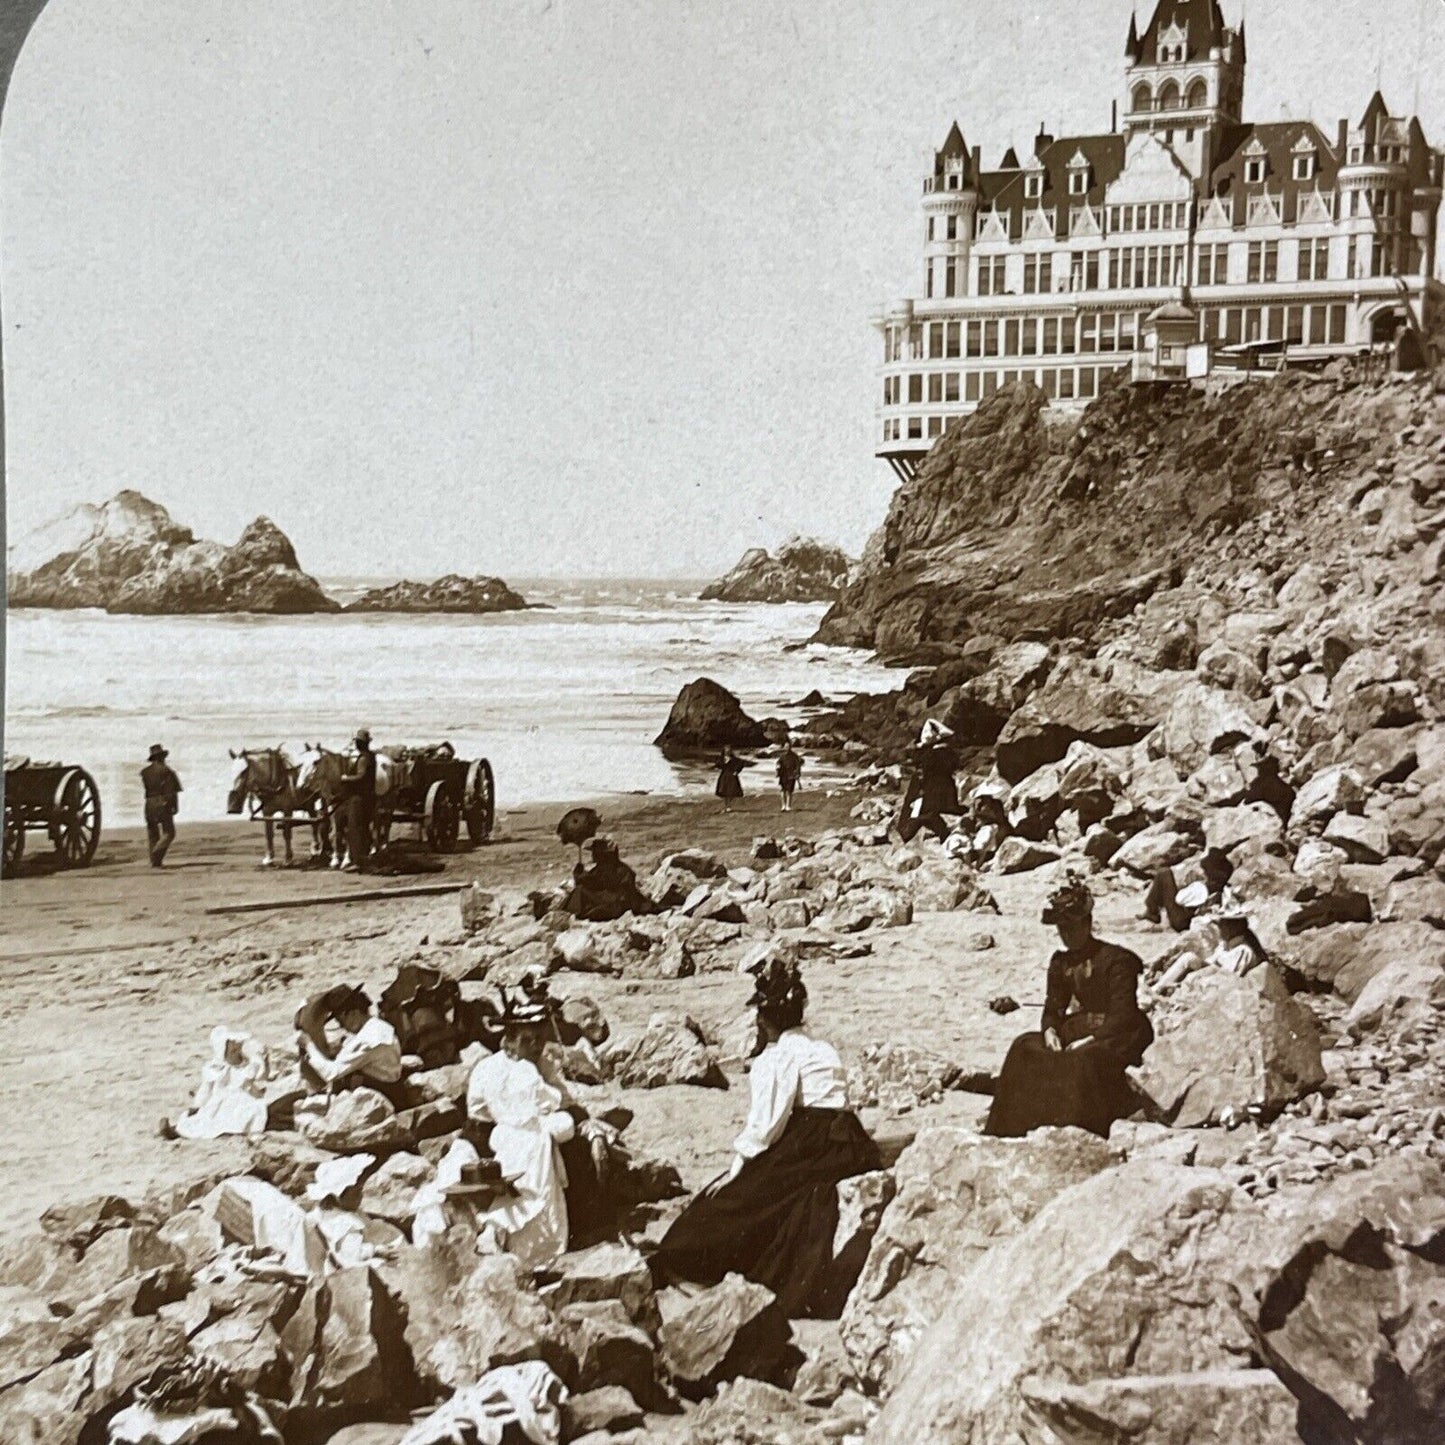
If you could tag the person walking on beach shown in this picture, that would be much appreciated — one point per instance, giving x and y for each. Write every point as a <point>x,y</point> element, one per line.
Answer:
<point>162,802</point>
<point>790,769</point>
<point>358,792</point>
<point>729,778</point>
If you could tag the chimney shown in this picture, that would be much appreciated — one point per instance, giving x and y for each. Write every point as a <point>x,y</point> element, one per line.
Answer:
<point>1042,141</point>
<point>1114,117</point>
<point>1343,139</point>
<point>975,162</point>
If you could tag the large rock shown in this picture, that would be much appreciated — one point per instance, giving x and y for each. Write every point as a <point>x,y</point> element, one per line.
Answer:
<point>671,1050</point>
<point>1417,823</point>
<point>707,716</point>
<point>1351,1319</point>
<point>733,1328</point>
<point>958,1196</point>
<point>1136,1271</point>
<point>1407,986</point>
<point>1228,1043</point>
<point>1202,721</point>
<point>802,571</point>
<point>451,593</point>
<point>127,555</point>
<point>345,1342</point>
<point>1346,956</point>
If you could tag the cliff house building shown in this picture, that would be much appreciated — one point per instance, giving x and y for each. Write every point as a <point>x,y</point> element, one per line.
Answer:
<point>1272,235</point>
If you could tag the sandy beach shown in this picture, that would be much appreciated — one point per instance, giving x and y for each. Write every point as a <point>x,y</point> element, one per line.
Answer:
<point>116,974</point>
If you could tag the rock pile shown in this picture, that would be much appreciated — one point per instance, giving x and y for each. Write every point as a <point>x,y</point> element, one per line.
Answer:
<point>451,593</point>
<point>802,571</point>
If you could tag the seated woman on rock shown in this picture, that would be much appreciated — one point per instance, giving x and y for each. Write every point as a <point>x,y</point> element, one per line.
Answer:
<point>1235,948</point>
<point>607,889</point>
<point>529,1125</point>
<point>367,1055</point>
<point>1072,1072</point>
<point>773,1215</point>
<point>1179,906</point>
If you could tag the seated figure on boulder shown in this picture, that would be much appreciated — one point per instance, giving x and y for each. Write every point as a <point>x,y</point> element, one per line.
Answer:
<point>932,792</point>
<point>368,1053</point>
<point>1092,1029</point>
<point>607,889</point>
<point>1180,905</point>
<point>1234,947</point>
<point>529,1124</point>
<point>773,1215</point>
<point>988,827</point>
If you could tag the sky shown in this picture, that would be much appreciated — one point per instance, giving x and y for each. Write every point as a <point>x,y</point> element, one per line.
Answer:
<point>528,287</point>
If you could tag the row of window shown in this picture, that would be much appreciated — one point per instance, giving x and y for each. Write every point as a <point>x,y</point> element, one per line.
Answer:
<point>1067,383</point>
<point>1158,216</point>
<point>1089,331</point>
<point>1314,325</point>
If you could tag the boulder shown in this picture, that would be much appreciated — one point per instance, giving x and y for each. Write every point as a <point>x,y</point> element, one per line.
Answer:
<point>345,1343</point>
<point>1384,755</point>
<point>1135,1271</point>
<point>730,1329</point>
<point>1229,1043</point>
<point>900,1077</point>
<point>865,908</point>
<point>1360,839</point>
<point>671,1050</point>
<point>1406,986</point>
<point>390,1192</point>
<point>451,593</point>
<point>1230,1404</point>
<point>609,1408</point>
<point>1158,846</point>
<point>1228,828</point>
<point>465,1315</point>
<point>945,886</point>
<point>958,1195</point>
<point>606,1271</point>
<point>1417,823</point>
<point>802,571</point>
<point>1331,790</point>
<point>1019,855</point>
<point>707,716</point>
<point>1345,957</point>
<point>610,1349</point>
<point>1351,1315</point>
<point>1034,804</point>
<point>1418,899</point>
<point>748,1410</point>
<point>1223,667</point>
<point>1201,721</point>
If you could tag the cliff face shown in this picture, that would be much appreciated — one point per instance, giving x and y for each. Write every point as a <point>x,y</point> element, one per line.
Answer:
<point>447,594</point>
<point>128,555</point>
<point>1060,580</point>
<point>802,571</point>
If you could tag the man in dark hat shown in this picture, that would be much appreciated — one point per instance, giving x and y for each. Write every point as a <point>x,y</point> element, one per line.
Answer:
<point>367,1055</point>
<point>162,802</point>
<point>358,795</point>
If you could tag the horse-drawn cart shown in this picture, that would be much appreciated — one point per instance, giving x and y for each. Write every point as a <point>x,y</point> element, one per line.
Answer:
<point>57,798</point>
<point>434,788</point>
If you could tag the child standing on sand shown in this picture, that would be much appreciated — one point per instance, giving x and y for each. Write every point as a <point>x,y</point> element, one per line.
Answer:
<point>729,778</point>
<point>790,769</point>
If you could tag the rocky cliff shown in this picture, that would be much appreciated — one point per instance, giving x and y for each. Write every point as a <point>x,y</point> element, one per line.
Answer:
<point>802,571</point>
<point>451,593</point>
<point>128,555</point>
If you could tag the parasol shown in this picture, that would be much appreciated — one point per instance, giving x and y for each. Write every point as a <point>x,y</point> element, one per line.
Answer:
<point>577,826</point>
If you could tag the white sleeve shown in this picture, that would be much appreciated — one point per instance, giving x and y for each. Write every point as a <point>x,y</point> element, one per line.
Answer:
<point>477,1108</point>
<point>357,1053</point>
<point>775,1090</point>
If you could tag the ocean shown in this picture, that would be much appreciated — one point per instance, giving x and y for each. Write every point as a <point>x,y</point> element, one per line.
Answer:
<point>564,702</point>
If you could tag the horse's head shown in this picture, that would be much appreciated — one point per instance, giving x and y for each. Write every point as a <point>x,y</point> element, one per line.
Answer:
<point>312,771</point>
<point>264,772</point>
<point>240,782</point>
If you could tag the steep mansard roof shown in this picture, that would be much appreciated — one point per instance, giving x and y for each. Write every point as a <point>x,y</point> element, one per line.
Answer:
<point>1005,188</point>
<point>1201,20</point>
<point>1278,142</point>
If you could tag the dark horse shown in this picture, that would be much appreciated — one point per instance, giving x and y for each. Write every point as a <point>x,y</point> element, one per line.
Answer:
<point>266,778</point>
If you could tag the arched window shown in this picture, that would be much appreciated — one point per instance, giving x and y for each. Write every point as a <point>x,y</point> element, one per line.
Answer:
<point>1198,96</point>
<point>1169,96</point>
<point>1143,98</point>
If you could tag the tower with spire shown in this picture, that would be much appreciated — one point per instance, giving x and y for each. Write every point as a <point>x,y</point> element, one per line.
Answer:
<point>1064,260</point>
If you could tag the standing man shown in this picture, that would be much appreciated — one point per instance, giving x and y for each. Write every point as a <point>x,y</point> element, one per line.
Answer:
<point>358,788</point>
<point>162,802</point>
<point>790,769</point>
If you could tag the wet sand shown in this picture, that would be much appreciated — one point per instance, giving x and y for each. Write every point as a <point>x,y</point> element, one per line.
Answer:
<point>115,975</point>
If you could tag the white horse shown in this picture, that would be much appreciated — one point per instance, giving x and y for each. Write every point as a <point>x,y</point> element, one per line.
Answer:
<point>267,778</point>
<point>319,774</point>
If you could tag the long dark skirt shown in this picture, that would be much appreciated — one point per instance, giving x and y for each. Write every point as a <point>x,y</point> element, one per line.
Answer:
<point>729,785</point>
<point>1038,1086</point>
<point>774,1223</point>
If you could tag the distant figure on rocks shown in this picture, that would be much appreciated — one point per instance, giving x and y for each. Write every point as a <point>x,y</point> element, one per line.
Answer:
<point>932,792</point>
<point>358,793</point>
<point>607,889</point>
<point>790,769</point>
<point>368,1054</point>
<point>1179,906</point>
<point>1236,949</point>
<point>978,839</point>
<point>1072,1071</point>
<point>162,803</point>
<point>729,778</point>
<point>773,1215</point>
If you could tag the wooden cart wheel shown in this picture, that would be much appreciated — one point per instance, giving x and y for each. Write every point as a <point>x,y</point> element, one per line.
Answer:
<point>75,818</point>
<point>14,841</point>
<point>479,805</point>
<point>441,818</point>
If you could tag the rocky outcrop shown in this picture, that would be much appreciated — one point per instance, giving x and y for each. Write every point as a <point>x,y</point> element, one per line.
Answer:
<point>706,716</point>
<point>802,571</point>
<point>129,556</point>
<point>451,593</point>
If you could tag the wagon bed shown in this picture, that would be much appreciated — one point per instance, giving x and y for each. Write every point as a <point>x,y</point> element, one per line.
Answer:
<point>58,799</point>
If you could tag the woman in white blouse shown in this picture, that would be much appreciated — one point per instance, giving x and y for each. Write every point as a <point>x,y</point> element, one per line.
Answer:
<point>772,1216</point>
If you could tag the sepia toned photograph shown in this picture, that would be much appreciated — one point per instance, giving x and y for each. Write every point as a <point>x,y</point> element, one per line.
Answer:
<point>723,723</point>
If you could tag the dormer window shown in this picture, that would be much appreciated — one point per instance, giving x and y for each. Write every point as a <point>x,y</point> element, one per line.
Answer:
<point>1171,54</point>
<point>1078,183</point>
<point>1033,186</point>
<point>1304,167</point>
<point>1254,170</point>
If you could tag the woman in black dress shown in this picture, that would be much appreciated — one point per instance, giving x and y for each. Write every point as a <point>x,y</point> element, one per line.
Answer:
<point>773,1215</point>
<point>1072,1072</point>
<point>729,778</point>
<point>932,791</point>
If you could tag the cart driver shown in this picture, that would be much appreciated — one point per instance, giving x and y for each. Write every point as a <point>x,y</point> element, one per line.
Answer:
<point>358,793</point>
